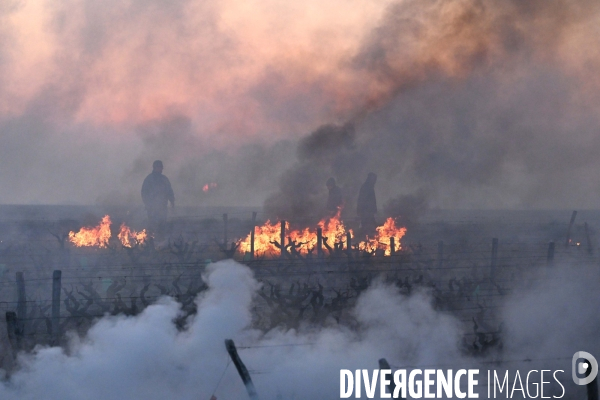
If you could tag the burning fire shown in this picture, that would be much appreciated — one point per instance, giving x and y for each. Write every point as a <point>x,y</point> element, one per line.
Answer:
<point>92,236</point>
<point>268,236</point>
<point>130,238</point>
<point>209,186</point>
<point>100,235</point>
<point>264,238</point>
<point>383,237</point>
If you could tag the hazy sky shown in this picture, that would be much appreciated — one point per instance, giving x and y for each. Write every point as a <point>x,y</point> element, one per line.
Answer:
<point>489,104</point>
<point>238,70</point>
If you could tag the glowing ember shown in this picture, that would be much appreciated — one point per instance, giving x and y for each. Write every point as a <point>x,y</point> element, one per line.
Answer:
<point>130,238</point>
<point>370,245</point>
<point>209,186</point>
<point>92,236</point>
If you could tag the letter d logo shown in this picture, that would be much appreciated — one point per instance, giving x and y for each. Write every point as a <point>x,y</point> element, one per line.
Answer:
<point>583,366</point>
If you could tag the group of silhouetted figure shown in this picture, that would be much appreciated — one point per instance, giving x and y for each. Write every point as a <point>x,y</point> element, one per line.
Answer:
<point>366,205</point>
<point>157,193</point>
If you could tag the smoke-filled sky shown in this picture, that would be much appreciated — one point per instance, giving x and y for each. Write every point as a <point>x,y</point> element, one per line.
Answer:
<point>465,103</point>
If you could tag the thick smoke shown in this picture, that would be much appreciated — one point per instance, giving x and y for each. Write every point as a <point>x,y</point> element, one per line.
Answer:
<point>329,151</point>
<point>557,316</point>
<point>472,104</point>
<point>476,104</point>
<point>146,357</point>
<point>242,176</point>
<point>407,209</point>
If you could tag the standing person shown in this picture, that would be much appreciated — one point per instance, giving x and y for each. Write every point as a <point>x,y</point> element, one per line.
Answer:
<point>367,205</point>
<point>334,200</point>
<point>156,194</point>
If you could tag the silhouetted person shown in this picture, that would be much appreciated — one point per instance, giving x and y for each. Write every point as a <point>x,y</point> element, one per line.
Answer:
<point>334,200</point>
<point>367,205</point>
<point>156,194</point>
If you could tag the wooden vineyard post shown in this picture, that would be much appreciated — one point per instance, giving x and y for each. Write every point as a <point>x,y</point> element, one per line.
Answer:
<point>241,369</point>
<point>65,257</point>
<point>252,234</point>
<point>550,256</point>
<point>12,331</point>
<point>56,287</point>
<point>570,227</point>
<point>225,220</point>
<point>348,244</point>
<point>21,302</point>
<point>319,242</point>
<point>392,246</point>
<point>494,260</point>
<point>282,239</point>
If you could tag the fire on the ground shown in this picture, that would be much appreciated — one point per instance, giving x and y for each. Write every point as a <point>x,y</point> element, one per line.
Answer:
<point>267,237</point>
<point>100,235</point>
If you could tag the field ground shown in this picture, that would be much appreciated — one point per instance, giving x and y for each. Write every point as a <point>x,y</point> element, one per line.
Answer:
<point>462,275</point>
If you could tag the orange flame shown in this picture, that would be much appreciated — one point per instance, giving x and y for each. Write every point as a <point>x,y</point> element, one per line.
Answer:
<point>130,238</point>
<point>390,230</point>
<point>209,186</point>
<point>100,235</point>
<point>267,237</point>
<point>304,241</point>
<point>264,238</point>
<point>382,238</point>
<point>92,236</point>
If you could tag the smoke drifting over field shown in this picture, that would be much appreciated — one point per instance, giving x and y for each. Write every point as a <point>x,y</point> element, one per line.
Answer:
<point>145,357</point>
<point>464,103</point>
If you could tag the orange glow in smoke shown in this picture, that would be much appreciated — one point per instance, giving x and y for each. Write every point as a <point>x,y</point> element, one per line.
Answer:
<point>100,235</point>
<point>92,236</point>
<point>209,186</point>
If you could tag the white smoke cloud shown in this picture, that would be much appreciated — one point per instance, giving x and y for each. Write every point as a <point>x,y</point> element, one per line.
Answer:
<point>557,316</point>
<point>146,357</point>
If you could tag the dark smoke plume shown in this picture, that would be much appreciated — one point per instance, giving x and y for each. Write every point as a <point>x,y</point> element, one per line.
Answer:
<point>406,209</point>
<point>476,103</point>
<point>465,103</point>
<point>330,151</point>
